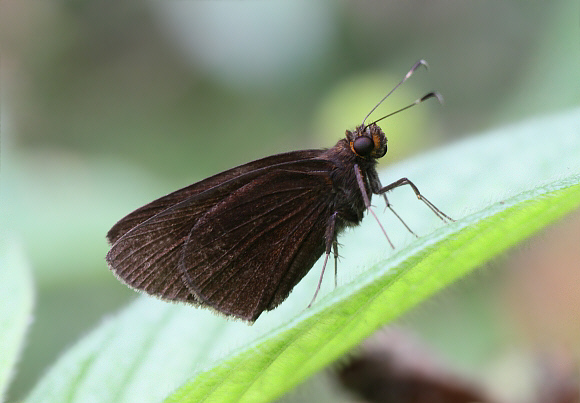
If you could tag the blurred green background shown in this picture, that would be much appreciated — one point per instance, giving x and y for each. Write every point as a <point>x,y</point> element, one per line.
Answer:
<point>107,105</point>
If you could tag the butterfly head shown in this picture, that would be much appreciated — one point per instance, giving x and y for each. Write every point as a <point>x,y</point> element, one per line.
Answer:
<point>367,142</point>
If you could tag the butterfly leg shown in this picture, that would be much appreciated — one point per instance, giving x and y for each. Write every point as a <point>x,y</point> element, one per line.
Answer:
<point>390,207</point>
<point>330,237</point>
<point>376,188</point>
<point>405,181</point>
<point>335,251</point>
<point>361,185</point>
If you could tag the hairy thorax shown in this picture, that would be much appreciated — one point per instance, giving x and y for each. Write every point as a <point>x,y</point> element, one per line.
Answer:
<point>348,200</point>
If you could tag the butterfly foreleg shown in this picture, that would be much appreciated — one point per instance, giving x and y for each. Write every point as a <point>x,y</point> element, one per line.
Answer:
<point>361,185</point>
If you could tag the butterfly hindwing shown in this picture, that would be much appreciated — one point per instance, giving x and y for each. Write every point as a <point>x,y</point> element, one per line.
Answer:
<point>265,236</point>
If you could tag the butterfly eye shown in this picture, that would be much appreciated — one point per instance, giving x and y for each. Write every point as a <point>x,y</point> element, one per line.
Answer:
<point>363,146</point>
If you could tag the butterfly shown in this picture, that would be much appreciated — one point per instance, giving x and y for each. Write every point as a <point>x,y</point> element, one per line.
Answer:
<point>239,241</point>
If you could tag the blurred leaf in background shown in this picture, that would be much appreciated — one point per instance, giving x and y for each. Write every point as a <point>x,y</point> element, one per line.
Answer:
<point>112,105</point>
<point>16,304</point>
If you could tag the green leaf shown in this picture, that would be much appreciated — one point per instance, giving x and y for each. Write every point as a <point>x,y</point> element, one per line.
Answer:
<point>16,303</point>
<point>501,187</point>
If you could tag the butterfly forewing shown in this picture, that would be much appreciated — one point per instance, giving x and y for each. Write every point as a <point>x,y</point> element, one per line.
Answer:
<point>224,230</point>
<point>157,206</point>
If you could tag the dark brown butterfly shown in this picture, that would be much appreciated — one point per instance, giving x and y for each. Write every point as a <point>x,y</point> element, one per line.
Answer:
<point>239,241</point>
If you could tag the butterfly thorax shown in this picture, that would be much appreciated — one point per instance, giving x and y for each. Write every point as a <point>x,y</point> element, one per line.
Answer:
<point>348,200</point>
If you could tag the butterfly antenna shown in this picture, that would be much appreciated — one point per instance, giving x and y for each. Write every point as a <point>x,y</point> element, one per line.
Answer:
<point>409,74</point>
<point>425,97</point>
